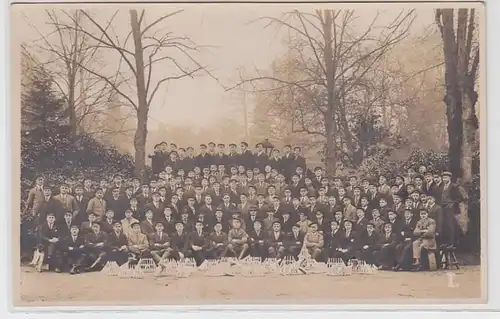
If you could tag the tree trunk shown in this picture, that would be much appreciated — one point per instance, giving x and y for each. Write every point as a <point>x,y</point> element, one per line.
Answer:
<point>453,98</point>
<point>71,106</point>
<point>330,124</point>
<point>141,132</point>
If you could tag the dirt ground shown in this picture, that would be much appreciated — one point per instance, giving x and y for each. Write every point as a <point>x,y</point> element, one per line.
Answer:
<point>49,289</point>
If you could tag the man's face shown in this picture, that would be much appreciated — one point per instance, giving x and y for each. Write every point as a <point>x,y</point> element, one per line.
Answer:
<point>276,227</point>
<point>399,180</point>
<point>241,169</point>
<point>218,227</point>
<point>133,202</point>
<point>117,228</point>
<point>332,201</point>
<point>208,200</point>
<point>39,181</point>
<point>243,147</point>
<point>190,152</point>
<point>370,228</point>
<point>303,192</point>
<point>191,201</point>
<point>338,215</point>
<point>382,180</point>
<point>199,226</point>
<point>296,201</point>
<point>116,192</point>
<point>423,215</point>
<point>415,197</point>
<point>341,192</point>
<point>96,228</point>
<point>388,228</point>
<point>181,153</point>
<point>394,189</point>
<point>68,218</point>
<point>211,147</point>
<point>234,170</point>
<point>64,190</point>
<point>149,215</point>
<point>347,201</point>
<point>253,212</point>
<point>243,198</point>
<point>334,226</point>
<point>168,170</point>
<point>74,231</point>
<point>226,199</point>
<point>392,215</point>
<point>259,148</point>
<point>288,193</point>
<point>197,170</point>
<point>128,214</point>
<point>79,191</point>
<point>203,149</point>
<point>213,168</point>
<point>179,227</point>
<point>357,192</point>
<point>375,213</point>
<point>295,179</point>
<point>364,202</point>
<point>382,202</point>
<point>175,199</point>
<point>87,183</point>
<point>348,226</point>
<point>110,214</point>
<point>91,218</point>
<point>47,192</point>
<point>299,170</point>
<point>129,192</point>
<point>418,181</point>
<point>314,228</point>
<point>236,224</point>
<point>156,197</point>
<point>446,179</point>
<point>218,213</point>
<point>360,213</point>
<point>373,189</point>
<point>257,226</point>
<point>352,181</point>
<point>319,215</point>
<point>410,189</point>
<point>408,214</point>
<point>167,212</point>
<point>296,151</point>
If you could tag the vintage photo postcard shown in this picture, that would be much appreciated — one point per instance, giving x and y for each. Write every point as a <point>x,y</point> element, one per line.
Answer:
<point>184,154</point>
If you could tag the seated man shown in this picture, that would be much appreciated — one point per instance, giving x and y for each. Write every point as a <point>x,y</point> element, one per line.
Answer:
<point>348,243</point>
<point>404,249</point>
<point>96,245</point>
<point>388,241</point>
<point>257,240</point>
<point>198,243</point>
<point>179,242</point>
<point>369,244</point>
<point>237,239</point>
<point>314,242</point>
<point>217,242</point>
<point>425,232</point>
<point>49,243</point>
<point>294,242</point>
<point>160,244</point>
<point>74,250</point>
<point>276,241</point>
<point>332,240</point>
<point>117,245</point>
<point>138,244</point>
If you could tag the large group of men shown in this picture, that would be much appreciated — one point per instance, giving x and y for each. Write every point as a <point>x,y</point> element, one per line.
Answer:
<point>233,204</point>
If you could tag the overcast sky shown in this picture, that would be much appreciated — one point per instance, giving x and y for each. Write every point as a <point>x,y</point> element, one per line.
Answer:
<point>236,44</point>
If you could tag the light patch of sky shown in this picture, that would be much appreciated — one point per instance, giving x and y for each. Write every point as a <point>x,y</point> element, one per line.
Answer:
<point>234,44</point>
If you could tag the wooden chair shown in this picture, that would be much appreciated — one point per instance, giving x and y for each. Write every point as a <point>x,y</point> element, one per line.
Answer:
<point>448,257</point>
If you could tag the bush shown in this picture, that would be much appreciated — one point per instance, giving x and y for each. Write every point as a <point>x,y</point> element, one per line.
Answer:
<point>58,158</point>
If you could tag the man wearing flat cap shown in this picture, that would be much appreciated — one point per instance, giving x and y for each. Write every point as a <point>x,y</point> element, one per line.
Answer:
<point>117,245</point>
<point>276,240</point>
<point>450,199</point>
<point>203,159</point>
<point>313,241</point>
<point>246,156</point>
<point>220,158</point>
<point>74,250</point>
<point>96,244</point>
<point>138,244</point>
<point>237,240</point>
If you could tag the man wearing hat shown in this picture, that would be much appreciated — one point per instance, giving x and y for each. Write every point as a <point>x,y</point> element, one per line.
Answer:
<point>198,243</point>
<point>368,244</point>
<point>49,242</point>
<point>237,240</point>
<point>386,258</point>
<point>117,245</point>
<point>67,200</point>
<point>314,242</point>
<point>246,156</point>
<point>159,243</point>
<point>96,246</point>
<point>233,158</point>
<point>333,238</point>
<point>294,242</point>
<point>48,205</point>
<point>350,212</point>
<point>179,242</point>
<point>158,159</point>
<point>138,244</point>
<point>217,242</point>
<point>450,199</point>
<point>276,240</point>
<point>220,158</point>
<point>425,234</point>
<point>260,157</point>
<point>74,250</point>
<point>258,240</point>
<point>203,159</point>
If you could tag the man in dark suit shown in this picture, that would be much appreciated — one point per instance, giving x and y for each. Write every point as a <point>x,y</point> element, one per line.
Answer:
<point>403,251</point>
<point>233,158</point>
<point>220,157</point>
<point>276,241</point>
<point>294,242</point>
<point>299,160</point>
<point>369,244</point>
<point>275,160</point>
<point>386,256</point>
<point>159,243</point>
<point>148,224</point>
<point>117,245</point>
<point>81,203</point>
<point>246,156</point>
<point>96,246</point>
<point>257,240</point>
<point>179,242</point>
<point>260,158</point>
<point>74,250</point>
<point>107,223</point>
<point>333,238</point>
<point>168,221</point>
<point>50,242</point>
<point>198,243</point>
<point>65,225</point>
<point>203,159</point>
<point>49,205</point>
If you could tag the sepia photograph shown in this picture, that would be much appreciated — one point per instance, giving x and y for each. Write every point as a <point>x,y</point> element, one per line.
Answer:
<point>258,153</point>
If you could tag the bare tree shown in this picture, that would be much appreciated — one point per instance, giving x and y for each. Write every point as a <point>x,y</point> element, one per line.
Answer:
<point>326,67</point>
<point>66,52</point>
<point>461,55</point>
<point>149,50</point>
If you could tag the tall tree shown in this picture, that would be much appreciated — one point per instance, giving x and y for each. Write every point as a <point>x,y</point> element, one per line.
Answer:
<point>150,47</point>
<point>461,56</point>
<point>325,73</point>
<point>66,52</point>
